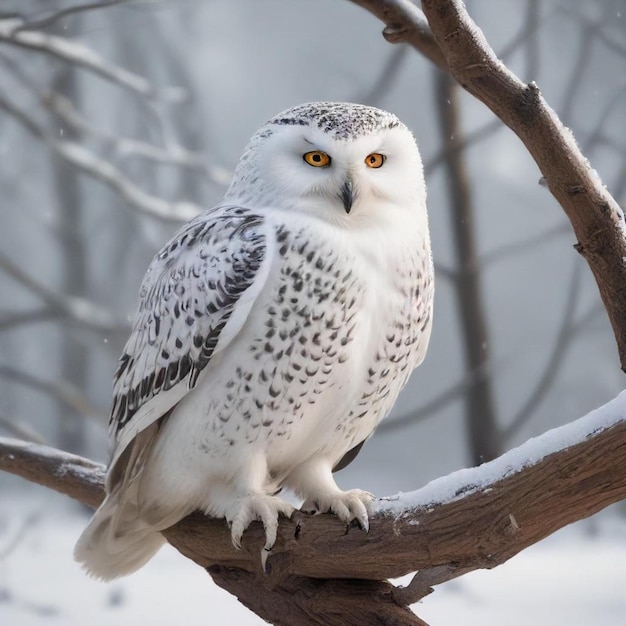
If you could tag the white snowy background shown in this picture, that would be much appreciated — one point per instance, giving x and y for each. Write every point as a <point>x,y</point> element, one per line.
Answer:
<point>240,62</point>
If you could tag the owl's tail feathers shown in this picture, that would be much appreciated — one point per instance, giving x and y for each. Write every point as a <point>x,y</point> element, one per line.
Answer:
<point>123,535</point>
<point>117,541</point>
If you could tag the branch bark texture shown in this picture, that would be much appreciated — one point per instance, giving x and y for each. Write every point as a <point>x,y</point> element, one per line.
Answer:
<point>322,573</point>
<point>405,23</point>
<point>596,218</point>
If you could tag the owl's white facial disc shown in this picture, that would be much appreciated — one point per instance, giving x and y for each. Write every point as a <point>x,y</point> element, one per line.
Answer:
<point>362,161</point>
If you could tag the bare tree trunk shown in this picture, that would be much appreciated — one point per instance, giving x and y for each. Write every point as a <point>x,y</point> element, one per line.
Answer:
<point>480,414</point>
<point>74,356</point>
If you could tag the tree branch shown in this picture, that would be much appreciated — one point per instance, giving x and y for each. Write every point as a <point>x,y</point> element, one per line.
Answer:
<point>75,308</point>
<point>20,430</point>
<point>89,163</point>
<point>300,601</point>
<point>597,219</point>
<point>405,23</point>
<point>12,32</point>
<point>171,154</point>
<point>52,17</point>
<point>481,425</point>
<point>474,518</point>
<point>62,390</point>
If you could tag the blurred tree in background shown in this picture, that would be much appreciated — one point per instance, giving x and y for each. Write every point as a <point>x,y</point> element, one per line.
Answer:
<point>121,119</point>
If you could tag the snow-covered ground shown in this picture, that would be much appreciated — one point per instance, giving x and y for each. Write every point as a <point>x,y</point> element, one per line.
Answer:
<point>575,578</point>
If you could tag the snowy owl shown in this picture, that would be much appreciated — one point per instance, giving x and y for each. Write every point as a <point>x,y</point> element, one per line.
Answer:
<point>274,332</point>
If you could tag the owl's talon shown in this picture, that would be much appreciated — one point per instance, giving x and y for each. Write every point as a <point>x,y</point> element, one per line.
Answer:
<point>264,554</point>
<point>348,506</point>
<point>364,524</point>
<point>257,507</point>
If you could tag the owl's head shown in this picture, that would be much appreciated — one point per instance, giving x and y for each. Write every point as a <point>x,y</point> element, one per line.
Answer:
<point>336,160</point>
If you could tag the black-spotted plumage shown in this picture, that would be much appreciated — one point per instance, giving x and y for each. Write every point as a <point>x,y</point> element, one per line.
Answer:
<point>274,332</point>
<point>187,297</point>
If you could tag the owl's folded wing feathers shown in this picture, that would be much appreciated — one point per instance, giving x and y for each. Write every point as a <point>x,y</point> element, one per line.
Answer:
<point>195,297</point>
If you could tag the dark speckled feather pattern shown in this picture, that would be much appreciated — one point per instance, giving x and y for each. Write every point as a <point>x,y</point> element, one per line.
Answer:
<point>274,332</point>
<point>186,299</point>
<point>338,119</point>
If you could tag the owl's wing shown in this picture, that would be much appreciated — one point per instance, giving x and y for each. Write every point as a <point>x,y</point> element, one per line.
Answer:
<point>348,457</point>
<point>194,299</point>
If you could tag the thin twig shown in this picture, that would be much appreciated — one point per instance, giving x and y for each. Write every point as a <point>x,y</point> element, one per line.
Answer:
<point>21,430</point>
<point>31,520</point>
<point>462,144</point>
<point>96,167</point>
<point>439,402</point>
<point>81,56</point>
<point>595,26</point>
<point>386,78</point>
<point>75,308</point>
<point>64,109</point>
<point>523,245</point>
<point>62,390</point>
<point>596,134</point>
<point>423,582</point>
<point>54,16</point>
<point>12,320</point>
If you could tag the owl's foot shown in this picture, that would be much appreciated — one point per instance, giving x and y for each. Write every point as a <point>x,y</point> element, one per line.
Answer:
<point>354,504</point>
<point>257,507</point>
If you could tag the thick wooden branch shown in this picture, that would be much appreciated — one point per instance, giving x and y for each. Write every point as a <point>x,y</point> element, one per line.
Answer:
<point>299,601</point>
<point>405,23</point>
<point>475,518</point>
<point>597,220</point>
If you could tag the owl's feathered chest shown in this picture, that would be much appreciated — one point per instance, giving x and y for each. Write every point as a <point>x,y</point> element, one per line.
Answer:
<point>333,340</point>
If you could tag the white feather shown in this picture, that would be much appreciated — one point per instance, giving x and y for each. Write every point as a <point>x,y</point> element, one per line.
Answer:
<point>273,334</point>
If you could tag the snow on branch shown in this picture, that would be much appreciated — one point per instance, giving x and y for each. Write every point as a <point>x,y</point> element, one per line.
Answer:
<point>171,154</point>
<point>89,163</point>
<point>465,482</point>
<point>474,518</point>
<point>12,32</point>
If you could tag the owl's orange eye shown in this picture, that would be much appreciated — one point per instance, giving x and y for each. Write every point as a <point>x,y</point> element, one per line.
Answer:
<point>317,158</point>
<point>375,160</point>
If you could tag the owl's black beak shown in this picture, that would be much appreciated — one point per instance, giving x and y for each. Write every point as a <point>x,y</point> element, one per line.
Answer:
<point>347,195</point>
